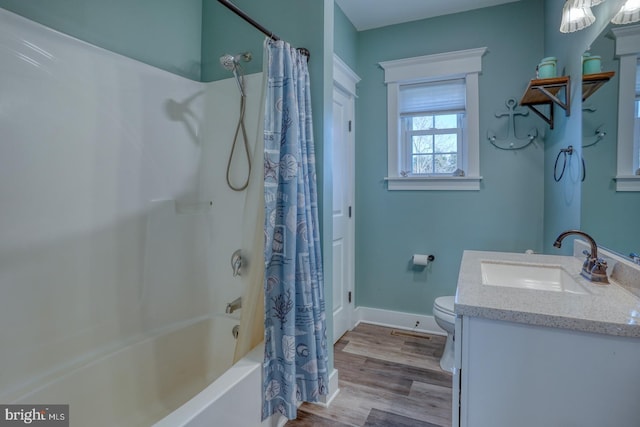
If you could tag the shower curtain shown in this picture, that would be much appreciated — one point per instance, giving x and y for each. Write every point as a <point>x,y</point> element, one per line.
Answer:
<point>295,364</point>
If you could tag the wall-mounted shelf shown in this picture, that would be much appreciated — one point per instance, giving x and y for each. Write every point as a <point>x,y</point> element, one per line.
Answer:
<point>545,92</point>
<point>593,82</point>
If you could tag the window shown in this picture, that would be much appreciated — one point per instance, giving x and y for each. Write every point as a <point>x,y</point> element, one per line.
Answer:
<point>433,121</point>
<point>628,53</point>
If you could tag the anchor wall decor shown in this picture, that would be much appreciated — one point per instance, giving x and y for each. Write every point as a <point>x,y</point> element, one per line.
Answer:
<point>512,141</point>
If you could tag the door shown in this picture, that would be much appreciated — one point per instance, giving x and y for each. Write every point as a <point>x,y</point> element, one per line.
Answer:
<point>343,229</point>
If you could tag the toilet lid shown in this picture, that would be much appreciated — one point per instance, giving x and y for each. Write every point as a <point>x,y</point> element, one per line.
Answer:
<point>445,304</point>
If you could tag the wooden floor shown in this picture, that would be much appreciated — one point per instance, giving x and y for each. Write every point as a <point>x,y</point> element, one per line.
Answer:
<point>387,377</point>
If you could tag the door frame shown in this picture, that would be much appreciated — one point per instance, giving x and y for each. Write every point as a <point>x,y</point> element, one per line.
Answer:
<point>345,80</point>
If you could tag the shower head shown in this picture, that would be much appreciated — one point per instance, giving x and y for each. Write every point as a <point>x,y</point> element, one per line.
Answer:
<point>231,63</point>
<point>228,62</point>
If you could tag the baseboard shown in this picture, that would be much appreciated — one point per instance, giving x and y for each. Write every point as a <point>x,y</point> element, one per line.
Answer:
<point>398,319</point>
<point>325,401</point>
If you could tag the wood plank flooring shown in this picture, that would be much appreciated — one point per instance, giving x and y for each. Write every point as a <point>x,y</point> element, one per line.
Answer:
<point>387,378</point>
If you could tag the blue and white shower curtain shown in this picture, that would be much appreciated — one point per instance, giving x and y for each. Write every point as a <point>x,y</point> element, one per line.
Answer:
<point>295,364</point>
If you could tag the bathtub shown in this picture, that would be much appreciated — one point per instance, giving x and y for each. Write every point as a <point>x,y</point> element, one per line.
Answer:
<point>230,401</point>
<point>180,376</point>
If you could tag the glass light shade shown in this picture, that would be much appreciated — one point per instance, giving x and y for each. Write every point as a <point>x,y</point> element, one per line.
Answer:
<point>575,17</point>
<point>587,3</point>
<point>629,12</point>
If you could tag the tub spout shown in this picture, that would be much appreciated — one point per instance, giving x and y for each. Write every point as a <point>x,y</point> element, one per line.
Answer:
<point>234,305</point>
<point>594,269</point>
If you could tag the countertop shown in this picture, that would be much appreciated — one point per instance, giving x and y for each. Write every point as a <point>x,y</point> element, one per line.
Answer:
<point>607,309</point>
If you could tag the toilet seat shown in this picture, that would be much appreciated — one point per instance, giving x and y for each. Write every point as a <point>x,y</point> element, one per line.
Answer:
<point>445,305</point>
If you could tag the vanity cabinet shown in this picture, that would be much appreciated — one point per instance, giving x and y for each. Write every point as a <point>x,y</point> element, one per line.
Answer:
<point>512,374</point>
<point>529,354</point>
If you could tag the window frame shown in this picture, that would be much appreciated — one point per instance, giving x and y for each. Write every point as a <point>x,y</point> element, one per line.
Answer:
<point>406,141</point>
<point>628,52</point>
<point>463,64</point>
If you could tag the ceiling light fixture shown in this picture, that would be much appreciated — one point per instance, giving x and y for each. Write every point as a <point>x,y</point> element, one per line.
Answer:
<point>576,16</point>
<point>629,12</point>
<point>587,3</point>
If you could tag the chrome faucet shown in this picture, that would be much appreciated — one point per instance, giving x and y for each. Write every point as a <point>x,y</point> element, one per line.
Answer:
<point>594,269</point>
<point>234,305</point>
<point>236,262</point>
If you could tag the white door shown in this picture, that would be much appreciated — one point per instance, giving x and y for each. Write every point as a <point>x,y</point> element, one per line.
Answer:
<point>343,233</point>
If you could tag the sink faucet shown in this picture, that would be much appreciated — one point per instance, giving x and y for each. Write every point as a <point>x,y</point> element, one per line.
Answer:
<point>594,269</point>
<point>234,305</point>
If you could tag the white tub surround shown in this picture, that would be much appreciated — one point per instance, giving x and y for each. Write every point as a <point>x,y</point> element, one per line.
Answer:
<point>607,309</point>
<point>531,357</point>
<point>115,236</point>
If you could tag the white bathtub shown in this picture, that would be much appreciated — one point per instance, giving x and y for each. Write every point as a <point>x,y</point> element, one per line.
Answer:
<point>182,376</point>
<point>233,400</point>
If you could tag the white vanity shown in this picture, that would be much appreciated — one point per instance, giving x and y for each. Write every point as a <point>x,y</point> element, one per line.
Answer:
<point>537,345</point>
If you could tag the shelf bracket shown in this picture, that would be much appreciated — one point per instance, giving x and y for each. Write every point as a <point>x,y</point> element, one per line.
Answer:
<point>548,120</point>
<point>544,92</point>
<point>565,105</point>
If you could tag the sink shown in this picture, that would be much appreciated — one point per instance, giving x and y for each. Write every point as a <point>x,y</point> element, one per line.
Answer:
<point>544,277</point>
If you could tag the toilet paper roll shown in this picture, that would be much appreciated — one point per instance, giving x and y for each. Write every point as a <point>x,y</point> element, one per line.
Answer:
<point>419,259</point>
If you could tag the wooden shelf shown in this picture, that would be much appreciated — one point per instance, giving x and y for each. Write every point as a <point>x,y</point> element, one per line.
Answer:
<point>545,92</point>
<point>593,82</point>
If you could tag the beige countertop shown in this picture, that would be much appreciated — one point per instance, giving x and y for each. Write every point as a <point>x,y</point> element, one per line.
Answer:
<point>606,309</point>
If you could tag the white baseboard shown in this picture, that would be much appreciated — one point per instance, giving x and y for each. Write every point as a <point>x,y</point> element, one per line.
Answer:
<point>325,401</point>
<point>398,319</point>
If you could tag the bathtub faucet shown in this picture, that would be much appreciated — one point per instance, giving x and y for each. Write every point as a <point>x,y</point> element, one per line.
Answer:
<point>594,269</point>
<point>234,305</point>
<point>236,262</point>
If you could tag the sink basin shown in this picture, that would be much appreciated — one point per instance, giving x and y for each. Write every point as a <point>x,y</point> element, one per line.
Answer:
<point>544,277</point>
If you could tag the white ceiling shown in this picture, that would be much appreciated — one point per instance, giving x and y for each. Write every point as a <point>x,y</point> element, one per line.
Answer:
<point>368,14</point>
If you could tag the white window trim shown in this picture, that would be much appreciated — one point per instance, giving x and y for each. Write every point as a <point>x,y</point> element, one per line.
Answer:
<point>459,64</point>
<point>628,51</point>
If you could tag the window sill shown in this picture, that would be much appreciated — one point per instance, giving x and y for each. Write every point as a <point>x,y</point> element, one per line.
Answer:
<point>459,183</point>
<point>627,182</point>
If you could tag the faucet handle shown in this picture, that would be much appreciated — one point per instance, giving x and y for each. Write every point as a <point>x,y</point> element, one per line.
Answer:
<point>586,253</point>
<point>599,267</point>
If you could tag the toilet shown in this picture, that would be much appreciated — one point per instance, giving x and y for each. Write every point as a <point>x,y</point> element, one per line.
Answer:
<point>446,318</point>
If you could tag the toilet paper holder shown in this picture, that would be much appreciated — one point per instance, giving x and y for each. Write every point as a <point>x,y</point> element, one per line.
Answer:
<point>422,260</point>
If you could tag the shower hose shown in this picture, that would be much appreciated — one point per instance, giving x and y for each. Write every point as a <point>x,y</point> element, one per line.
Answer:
<point>240,128</point>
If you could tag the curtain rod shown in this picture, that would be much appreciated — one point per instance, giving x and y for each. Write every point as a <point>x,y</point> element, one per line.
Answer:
<point>235,9</point>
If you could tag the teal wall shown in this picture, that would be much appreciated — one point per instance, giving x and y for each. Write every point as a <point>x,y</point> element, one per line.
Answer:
<point>346,38</point>
<point>224,32</point>
<point>505,215</point>
<point>610,217</point>
<point>162,33</point>
<point>562,199</point>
